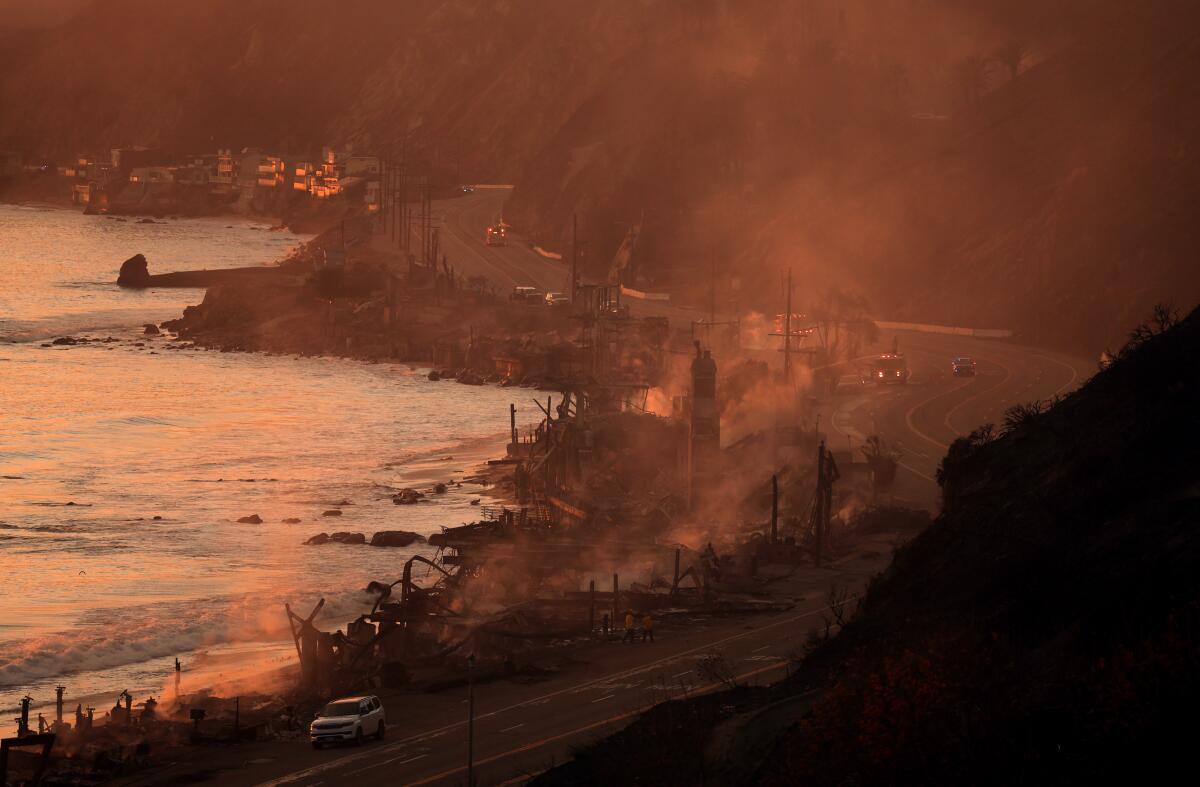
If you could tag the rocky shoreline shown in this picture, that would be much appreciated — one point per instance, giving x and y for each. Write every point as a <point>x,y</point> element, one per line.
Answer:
<point>359,308</point>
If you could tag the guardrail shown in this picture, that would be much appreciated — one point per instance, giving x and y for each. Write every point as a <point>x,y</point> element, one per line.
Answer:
<point>645,296</point>
<point>985,333</point>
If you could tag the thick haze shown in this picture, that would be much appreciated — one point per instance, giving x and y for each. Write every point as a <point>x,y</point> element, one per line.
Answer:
<point>993,164</point>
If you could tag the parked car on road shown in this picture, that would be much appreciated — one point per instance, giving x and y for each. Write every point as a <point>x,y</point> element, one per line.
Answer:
<point>348,719</point>
<point>963,367</point>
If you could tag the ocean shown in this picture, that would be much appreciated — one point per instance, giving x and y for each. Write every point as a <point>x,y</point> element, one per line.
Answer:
<point>124,467</point>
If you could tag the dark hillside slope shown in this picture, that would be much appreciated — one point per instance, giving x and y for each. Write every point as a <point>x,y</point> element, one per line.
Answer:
<point>1047,626</point>
<point>1045,629</point>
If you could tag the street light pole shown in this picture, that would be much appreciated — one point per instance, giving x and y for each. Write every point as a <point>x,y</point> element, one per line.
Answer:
<point>471,720</point>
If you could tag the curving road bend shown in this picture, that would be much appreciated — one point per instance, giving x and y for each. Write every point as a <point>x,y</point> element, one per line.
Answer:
<point>921,418</point>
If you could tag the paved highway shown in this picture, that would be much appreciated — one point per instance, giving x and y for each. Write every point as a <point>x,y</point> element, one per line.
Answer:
<point>922,418</point>
<point>524,727</point>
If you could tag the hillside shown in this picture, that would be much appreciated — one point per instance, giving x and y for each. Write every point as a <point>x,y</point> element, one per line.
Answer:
<point>1045,629</point>
<point>1006,164</point>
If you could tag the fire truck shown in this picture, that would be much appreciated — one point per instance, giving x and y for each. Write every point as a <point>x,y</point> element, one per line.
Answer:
<point>888,368</point>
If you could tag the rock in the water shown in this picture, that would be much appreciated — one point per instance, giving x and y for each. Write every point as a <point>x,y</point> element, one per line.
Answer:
<point>291,520</point>
<point>253,519</point>
<point>407,497</point>
<point>65,340</point>
<point>439,489</point>
<point>343,504</point>
<point>331,512</point>
<point>134,272</point>
<point>396,538</point>
<point>434,376</point>
<point>336,538</point>
<point>150,329</point>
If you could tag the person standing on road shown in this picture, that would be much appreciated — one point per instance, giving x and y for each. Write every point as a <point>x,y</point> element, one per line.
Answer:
<point>647,628</point>
<point>630,632</point>
<point>605,624</point>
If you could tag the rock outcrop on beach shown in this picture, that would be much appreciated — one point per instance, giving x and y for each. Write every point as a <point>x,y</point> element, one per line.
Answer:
<point>407,497</point>
<point>253,519</point>
<point>341,537</point>
<point>396,538</point>
<point>135,272</point>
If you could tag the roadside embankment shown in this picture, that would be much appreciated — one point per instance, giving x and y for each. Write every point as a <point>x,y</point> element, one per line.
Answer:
<point>1046,623</point>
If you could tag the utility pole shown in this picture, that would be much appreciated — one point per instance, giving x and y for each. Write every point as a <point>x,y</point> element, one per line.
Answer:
<point>774,512</point>
<point>574,255</point>
<point>819,505</point>
<point>787,334</point>
<point>712,294</point>
<point>471,720</point>
<point>383,216</point>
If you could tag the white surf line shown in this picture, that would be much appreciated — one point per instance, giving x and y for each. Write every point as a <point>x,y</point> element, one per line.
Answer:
<point>346,760</point>
<point>515,726</point>
<point>602,699</point>
<point>764,647</point>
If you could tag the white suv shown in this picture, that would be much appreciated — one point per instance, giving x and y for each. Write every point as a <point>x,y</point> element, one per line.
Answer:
<point>348,719</point>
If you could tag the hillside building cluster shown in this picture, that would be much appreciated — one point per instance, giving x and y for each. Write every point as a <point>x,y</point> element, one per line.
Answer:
<point>224,176</point>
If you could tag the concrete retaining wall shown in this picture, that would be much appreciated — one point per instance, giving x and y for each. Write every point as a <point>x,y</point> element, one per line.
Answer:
<point>645,296</point>
<point>984,333</point>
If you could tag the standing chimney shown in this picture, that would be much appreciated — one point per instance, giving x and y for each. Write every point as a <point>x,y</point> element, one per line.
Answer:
<point>704,434</point>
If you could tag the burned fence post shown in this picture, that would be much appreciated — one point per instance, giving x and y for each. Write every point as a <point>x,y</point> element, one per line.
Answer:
<point>775,509</point>
<point>616,601</point>
<point>23,722</point>
<point>591,607</point>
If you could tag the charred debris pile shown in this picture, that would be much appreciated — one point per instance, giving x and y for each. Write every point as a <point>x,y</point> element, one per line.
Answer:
<point>1044,629</point>
<point>610,508</point>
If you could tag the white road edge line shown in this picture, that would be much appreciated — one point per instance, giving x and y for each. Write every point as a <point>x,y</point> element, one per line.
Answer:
<point>342,762</point>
